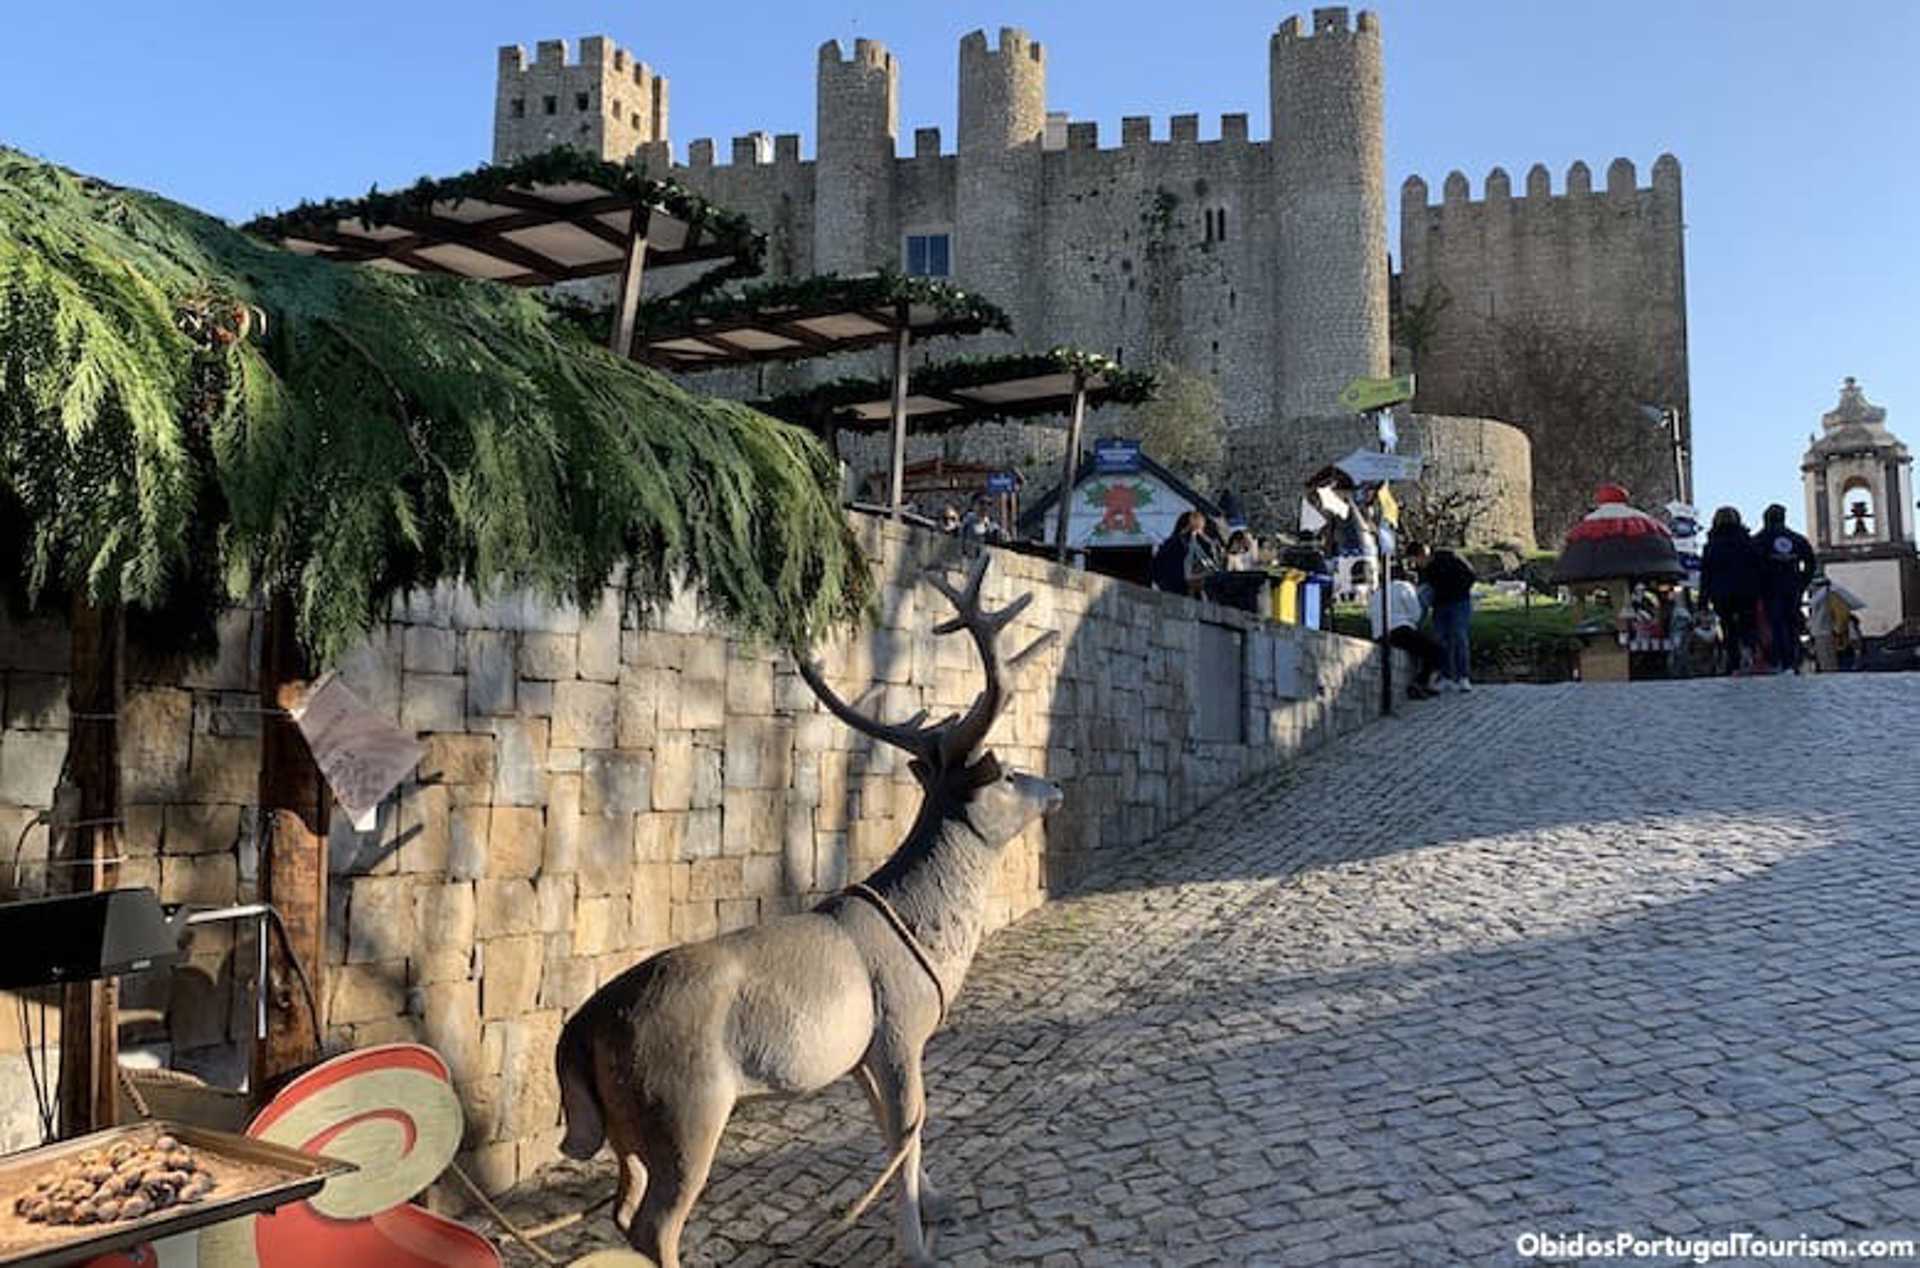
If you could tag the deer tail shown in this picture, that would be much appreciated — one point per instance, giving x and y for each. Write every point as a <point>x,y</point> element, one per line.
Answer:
<point>579,1095</point>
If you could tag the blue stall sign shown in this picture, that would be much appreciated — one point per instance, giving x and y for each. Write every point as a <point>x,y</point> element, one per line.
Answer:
<point>1112,456</point>
<point>1002,482</point>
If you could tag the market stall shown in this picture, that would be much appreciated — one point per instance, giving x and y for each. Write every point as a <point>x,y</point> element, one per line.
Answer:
<point>1619,561</point>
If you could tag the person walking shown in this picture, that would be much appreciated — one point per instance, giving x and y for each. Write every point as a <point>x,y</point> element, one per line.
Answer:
<point>1395,613</point>
<point>1730,585</point>
<point>1786,568</point>
<point>1451,579</point>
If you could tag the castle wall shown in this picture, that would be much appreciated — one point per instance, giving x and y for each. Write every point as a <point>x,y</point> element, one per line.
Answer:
<point>1263,264</point>
<point>1483,459</point>
<point>1609,261</point>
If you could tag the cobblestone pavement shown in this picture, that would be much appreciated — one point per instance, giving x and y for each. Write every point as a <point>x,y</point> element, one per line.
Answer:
<point>1552,959</point>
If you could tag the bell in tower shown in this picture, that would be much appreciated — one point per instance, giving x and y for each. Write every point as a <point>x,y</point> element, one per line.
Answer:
<point>1860,510</point>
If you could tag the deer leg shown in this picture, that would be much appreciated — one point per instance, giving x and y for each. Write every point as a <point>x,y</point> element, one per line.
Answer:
<point>678,1145</point>
<point>902,1097</point>
<point>936,1207</point>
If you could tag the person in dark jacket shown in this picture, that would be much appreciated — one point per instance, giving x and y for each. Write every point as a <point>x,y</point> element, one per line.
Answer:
<point>1786,567</point>
<point>1451,579</point>
<point>1730,583</point>
<point>1170,560</point>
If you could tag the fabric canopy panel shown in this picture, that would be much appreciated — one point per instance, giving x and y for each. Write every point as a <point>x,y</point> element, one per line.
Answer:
<point>555,217</point>
<point>1617,542</point>
<point>549,233</point>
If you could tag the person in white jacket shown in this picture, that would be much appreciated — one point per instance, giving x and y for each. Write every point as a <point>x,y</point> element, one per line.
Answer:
<point>1402,631</point>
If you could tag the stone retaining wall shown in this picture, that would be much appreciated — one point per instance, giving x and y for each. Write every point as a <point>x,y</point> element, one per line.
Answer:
<point>592,793</point>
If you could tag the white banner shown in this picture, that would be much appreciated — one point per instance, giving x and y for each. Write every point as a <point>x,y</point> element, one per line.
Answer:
<point>362,755</point>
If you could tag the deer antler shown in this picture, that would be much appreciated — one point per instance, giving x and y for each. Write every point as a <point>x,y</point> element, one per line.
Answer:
<point>951,741</point>
<point>959,741</point>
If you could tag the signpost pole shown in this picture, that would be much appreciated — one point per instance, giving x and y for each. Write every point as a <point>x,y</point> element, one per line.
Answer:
<point>1076,419</point>
<point>1380,534</point>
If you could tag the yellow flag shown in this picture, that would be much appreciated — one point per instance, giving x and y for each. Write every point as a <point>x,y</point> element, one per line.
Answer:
<point>1389,507</point>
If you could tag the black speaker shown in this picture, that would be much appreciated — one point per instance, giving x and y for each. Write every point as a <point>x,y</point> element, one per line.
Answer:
<point>78,937</point>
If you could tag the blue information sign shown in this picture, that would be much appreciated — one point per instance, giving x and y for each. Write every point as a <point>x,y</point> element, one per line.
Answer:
<point>1112,456</point>
<point>1000,482</point>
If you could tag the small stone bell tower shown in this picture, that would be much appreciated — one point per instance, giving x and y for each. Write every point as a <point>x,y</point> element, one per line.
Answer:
<point>1860,510</point>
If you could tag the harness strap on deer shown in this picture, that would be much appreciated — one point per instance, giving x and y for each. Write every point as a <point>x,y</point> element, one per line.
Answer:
<point>866,893</point>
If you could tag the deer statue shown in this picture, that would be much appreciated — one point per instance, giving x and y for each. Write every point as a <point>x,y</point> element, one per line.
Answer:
<point>656,1060</point>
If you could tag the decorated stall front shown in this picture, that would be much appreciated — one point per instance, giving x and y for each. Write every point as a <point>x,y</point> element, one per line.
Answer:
<point>1123,505</point>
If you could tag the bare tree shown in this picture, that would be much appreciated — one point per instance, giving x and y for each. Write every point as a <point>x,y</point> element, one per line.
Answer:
<point>1183,428</point>
<point>1577,394</point>
<point>1449,513</point>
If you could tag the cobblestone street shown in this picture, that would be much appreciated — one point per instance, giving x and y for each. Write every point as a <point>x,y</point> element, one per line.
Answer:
<point>1542,959</point>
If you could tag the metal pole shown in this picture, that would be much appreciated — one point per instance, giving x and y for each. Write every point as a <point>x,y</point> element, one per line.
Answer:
<point>1386,593</point>
<point>1076,419</point>
<point>902,337</point>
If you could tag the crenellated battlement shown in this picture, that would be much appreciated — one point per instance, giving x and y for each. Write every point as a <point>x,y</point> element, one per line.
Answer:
<point>597,54</point>
<point>1622,184</point>
<point>865,53</point>
<point>1014,43</point>
<point>752,149</point>
<point>1137,132</point>
<point>1329,23</point>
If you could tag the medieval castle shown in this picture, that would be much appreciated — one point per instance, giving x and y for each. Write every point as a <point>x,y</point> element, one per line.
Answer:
<point>1263,264</point>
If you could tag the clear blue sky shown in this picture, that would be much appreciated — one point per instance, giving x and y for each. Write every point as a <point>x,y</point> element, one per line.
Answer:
<point>1795,124</point>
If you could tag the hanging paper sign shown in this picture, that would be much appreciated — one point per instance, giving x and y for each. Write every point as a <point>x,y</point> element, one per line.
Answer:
<point>362,755</point>
<point>1365,467</point>
<point>1114,456</point>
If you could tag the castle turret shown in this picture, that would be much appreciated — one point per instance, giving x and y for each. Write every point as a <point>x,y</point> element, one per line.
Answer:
<point>607,103</point>
<point>1330,177</point>
<point>1003,121</point>
<point>856,125</point>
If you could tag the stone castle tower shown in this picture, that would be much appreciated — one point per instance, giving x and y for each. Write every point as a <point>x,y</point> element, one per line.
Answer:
<point>1329,157</point>
<point>605,103</point>
<point>1261,264</point>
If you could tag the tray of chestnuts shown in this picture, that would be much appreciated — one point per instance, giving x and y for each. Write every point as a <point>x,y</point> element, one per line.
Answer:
<point>79,1198</point>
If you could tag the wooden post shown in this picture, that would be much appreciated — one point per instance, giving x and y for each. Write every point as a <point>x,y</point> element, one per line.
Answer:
<point>627,308</point>
<point>89,1041</point>
<point>902,338</point>
<point>293,866</point>
<point>1076,419</point>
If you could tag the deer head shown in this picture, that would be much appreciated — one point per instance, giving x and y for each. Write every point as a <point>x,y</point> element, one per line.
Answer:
<point>960,777</point>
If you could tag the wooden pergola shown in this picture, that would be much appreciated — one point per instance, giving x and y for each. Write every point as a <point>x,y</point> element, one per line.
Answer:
<point>960,393</point>
<point>816,317</point>
<point>557,217</point>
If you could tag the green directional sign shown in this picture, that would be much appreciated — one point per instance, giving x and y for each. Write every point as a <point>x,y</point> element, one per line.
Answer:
<point>1362,395</point>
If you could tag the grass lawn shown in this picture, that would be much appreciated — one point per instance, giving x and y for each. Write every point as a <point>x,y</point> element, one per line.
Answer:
<point>1510,637</point>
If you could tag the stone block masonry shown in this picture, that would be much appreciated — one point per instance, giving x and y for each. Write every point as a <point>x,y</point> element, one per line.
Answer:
<point>593,792</point>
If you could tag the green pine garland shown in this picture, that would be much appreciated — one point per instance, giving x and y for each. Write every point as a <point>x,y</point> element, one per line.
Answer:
<point>787,299</point>
<point>807,407</point>
<point>386,433</point>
